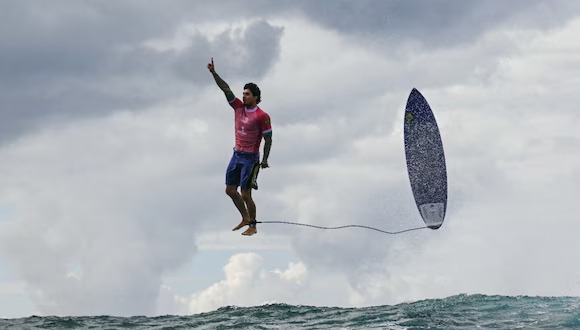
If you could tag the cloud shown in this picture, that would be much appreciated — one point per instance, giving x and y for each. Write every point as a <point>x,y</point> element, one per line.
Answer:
<point>247,283</point>
<point>434,24</point>
<point>87,60</point>
<point>74,60</point>
<point>248,51</point>
<point>100,210</point>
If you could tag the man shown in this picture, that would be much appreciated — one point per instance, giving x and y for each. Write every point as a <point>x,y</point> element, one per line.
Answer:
<point>251,125</point>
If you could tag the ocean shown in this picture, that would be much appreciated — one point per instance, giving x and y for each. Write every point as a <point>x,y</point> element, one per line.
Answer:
<point>456,312</point>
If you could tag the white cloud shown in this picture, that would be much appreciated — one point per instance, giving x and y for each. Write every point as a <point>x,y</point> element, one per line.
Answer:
<point>248,283</point>
<point>112,201</point>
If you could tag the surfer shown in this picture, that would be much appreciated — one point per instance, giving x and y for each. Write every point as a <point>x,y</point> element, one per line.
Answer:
<point>251,125</point>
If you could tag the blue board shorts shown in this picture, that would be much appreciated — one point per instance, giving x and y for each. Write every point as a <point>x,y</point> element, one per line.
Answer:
<point>243,170</point>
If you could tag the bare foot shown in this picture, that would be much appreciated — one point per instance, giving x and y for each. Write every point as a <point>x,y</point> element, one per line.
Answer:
<point>251,230</point>
<point>241,224</point>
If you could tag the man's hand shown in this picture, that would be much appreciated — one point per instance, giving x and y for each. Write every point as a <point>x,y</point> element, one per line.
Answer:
<point>210,66</point>
<point>264,164</point>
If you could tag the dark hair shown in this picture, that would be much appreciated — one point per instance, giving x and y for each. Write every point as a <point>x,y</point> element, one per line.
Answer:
<point>255,91</point>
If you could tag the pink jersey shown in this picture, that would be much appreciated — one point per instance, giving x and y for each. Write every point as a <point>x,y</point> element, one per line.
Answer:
<point>251,125</point>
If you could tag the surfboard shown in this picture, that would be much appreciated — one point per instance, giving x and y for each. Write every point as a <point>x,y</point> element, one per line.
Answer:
<point>425,160</point>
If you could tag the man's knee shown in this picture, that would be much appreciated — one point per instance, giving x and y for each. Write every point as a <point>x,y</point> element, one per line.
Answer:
<point>231,191</point>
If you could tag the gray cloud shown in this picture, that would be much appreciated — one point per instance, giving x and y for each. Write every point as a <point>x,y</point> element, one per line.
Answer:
<point>73,60</point>
<point>248,52</point>
<point>76,59</point>
<point>438,23</point>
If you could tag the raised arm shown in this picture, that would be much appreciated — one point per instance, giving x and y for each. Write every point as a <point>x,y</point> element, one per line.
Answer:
<point>221,83</point>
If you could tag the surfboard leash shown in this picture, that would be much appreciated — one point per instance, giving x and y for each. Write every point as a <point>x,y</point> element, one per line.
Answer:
<point>345,226</point>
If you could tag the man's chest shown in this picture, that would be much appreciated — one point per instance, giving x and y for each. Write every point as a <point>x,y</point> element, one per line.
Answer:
<point>249,120</point>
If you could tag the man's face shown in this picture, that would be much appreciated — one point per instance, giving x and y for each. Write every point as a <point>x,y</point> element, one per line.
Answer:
<point>249,99</point>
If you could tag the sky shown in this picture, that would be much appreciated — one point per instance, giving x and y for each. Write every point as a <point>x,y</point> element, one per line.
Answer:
<point>114,140</point>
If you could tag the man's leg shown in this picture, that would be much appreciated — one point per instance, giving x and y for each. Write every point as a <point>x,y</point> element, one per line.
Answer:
<point>251,207</point>
<point>233,174</point>
<point>232,191</point>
